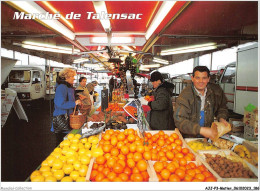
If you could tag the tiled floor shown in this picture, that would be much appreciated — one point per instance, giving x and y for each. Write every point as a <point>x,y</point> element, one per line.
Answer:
<point>25,145</point>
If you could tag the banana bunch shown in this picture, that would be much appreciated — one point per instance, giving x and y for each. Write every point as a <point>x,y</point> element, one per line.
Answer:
<point>242,151</point>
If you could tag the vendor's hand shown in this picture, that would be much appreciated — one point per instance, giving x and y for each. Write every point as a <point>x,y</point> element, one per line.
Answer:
<point>81,97</point>
<point>223,121</point>
<point>78,102</point>
<point>208,132</point>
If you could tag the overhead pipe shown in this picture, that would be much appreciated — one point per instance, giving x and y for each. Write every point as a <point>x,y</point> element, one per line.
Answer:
<point>214,37</point>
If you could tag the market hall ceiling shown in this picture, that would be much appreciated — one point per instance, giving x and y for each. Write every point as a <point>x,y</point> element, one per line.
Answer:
<point>226,23</point>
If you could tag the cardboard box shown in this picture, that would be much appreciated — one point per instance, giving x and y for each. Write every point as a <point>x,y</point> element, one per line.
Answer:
<point>237,125</point>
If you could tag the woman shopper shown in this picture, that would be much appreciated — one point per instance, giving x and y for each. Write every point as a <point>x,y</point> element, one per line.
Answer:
<point>64,101</point>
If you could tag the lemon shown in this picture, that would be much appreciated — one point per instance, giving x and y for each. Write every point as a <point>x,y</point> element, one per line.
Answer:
<point>59,174</point>
<point>35,173</point>
<point>74,146</point>
<point>88,145</point>
<point>84,140</point>
<point>81,146</point>
<point>57,150</point>
<point>77,165</point>
<point>81,179</point>
<point>66,179</point>
<point>67,168</point>
<point>71,159</point>
<point>58,164</point>
<point>78,136</point>
<point>50,160</point>
<point>66,143</point>
<point>70,136</point>
<point>65,150</point>
<point>82,151</point>
<point>50,179</point>
<point>74,140</point>
<point>46,173</point>
<point>70,153</point>
<point>88,153</point>
<point>95,140</point>
<point>83,170</point>
<point>44,163</point>
<point>74,175</point>
<point>63,158</point>
<point>44,169</point>
<point>90,139</point>
<point>97,152</point>
<point>84,159</point>
<point>39,178</point>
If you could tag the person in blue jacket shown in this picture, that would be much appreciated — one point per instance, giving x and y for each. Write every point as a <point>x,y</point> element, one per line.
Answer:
<point>64,100</point>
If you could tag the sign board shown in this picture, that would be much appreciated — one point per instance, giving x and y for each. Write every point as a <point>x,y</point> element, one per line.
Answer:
<point>104,99</point>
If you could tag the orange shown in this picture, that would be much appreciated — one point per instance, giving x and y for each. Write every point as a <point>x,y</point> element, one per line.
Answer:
<point>137,156</point>
<point>192,165</point>
<point>140,149</point>
<point>188,178</point>
<point>163,159</point>
<point>200,177</point>
<point>132,147</point>
<point>175,136</point>
<point>178,142</point>
<point>191,155</point>
<point>191,172</point>
<point>118,168</point>
<point>182,162</point>
<point>121,137</point>
<point>141,165</point>
<point>110,162</point>
<point>107,137</point>
<point>202,168</point>
<point>169,155</point>
<point>130,163</point>
<point>124,177</point>
<point>145,176</point>
<point>131,138</point>
<point>114,141</point>
<point>121,157</point>
<point>131,131</point>
<point>122,162</point>
<point>128,171</point>
<point>174,178</point>
<point>148,135</point>
<point>159,177</point>
<point>171,167</point>
<point>107,148</point>
<point>111,176</point>
<point>210,179</point>
<point>147,155</point>
<point>160,142</point>
<point>120,144</point>
<point>180,173</point>
<point>137,177</point>
<point>161,132</point>
<point>117,179</point>
<point>179,155</point>
<point>158,166</point>
<point>130,156</point>
<point>207,174</point>
<point>93,175</point>
<point>165,173</point>
<point>161,154</point>
<point>114,152</point>
<point>185,151</point>
<point>124,150</point>
<point>107,155</point>
<point>100,176</point>
<point>100,160</point>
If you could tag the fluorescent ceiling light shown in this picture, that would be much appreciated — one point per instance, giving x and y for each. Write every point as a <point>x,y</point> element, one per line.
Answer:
<point>187,49</point>
<point>161,14</point>
<point>159,60</point>
<point>46,47</point>
<point>114,40</point>
<point>33,8</point>
<point>80,60</point>
<point>100,6</point>
<point>144,69</point>
<point>151,66</point>
<point>55,11</point>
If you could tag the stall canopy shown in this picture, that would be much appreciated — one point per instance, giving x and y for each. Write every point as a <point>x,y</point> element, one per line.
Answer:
<point>147,28</point>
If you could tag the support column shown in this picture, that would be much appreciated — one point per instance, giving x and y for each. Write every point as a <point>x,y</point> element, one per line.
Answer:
<point>196,61</point>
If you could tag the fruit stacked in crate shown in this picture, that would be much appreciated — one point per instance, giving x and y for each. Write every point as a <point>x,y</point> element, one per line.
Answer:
<point>68,162</point>
<point>172,160</point>
<point>125,158</point>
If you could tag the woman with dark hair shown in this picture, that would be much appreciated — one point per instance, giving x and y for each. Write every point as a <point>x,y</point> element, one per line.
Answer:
<point>64,100</point>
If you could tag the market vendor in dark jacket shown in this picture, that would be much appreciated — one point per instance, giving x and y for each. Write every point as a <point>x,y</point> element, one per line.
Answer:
<point>161,114</point>
<point>198,104</point>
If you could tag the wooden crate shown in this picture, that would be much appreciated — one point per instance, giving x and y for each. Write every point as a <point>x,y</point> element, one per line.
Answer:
<point>150,171</point>
<point>227,152</point>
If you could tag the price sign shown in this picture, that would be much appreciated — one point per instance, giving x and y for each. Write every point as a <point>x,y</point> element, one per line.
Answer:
<point>104,99</point>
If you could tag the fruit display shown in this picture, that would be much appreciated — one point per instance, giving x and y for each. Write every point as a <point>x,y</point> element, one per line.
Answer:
<point>182,172</point>
<point>201,144</point>
<point>167,146</point>
<point>124,158</point>
<point>69,162</point>
<point>149,98</point>
<point>223,144</point>
<point>117,125</point>
<point>113,107</point>
<point>243,152</point>
<point>227,168</point>
<point>96,125</point>
<point>97,117</point>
